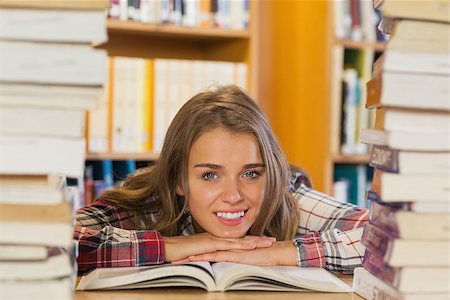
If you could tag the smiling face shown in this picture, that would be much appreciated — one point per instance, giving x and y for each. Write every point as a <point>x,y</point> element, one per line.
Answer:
<point>226,182</point>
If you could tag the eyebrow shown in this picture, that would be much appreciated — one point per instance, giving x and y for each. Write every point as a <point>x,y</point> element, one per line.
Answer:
<point>218,167</point>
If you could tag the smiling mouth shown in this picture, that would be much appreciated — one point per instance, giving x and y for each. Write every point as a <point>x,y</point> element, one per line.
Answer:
<point>231,216</point>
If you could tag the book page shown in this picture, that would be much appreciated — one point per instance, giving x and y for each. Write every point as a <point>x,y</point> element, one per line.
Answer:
<point>194,274</point>
<point>233,276</point>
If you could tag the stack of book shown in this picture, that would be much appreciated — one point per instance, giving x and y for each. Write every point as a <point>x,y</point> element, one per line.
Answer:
<point>50,74</point>
<point>407,238</point>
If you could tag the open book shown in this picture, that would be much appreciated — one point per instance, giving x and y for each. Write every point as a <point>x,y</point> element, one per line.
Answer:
<point>214,277</point>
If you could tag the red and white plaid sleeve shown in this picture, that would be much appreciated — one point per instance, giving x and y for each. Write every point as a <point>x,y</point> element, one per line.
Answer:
<point>329,233</point>
<point>105,240</point>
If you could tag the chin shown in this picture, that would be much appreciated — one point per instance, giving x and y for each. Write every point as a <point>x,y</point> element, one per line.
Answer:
<point>228,234</point>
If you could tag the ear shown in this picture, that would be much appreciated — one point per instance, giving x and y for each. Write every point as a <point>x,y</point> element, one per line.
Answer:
<point>179,190</point>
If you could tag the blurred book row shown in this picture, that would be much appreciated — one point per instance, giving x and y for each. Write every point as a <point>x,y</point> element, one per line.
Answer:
<point>143,96</point>
<point>407,238</point>
<point>48,75</point>
<point>357,20</point>
<point>230,14</point>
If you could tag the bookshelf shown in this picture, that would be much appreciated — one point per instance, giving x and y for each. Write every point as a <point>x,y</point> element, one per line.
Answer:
<point>168,41</point>
<point>304,105</point>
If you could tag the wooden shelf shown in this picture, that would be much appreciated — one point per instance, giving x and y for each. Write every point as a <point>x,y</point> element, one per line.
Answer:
<point>123,156</point>
<point>134,39</point>
<point>351,159</point>
<point>175,31</point>
<point>377,46</point>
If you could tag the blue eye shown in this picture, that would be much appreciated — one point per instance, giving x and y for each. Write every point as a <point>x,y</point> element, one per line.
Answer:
<point>209,176</point>
<point>251,174</point>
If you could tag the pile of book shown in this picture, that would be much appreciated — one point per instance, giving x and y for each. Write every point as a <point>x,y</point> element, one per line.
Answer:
<point>50,74</point>
<point>407,238</point>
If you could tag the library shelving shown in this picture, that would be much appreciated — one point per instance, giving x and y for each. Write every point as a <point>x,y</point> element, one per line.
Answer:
<point>304,92</point>
<point>168,41</point>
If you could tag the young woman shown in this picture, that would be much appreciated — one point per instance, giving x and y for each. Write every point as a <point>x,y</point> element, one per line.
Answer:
<point>220,191</point>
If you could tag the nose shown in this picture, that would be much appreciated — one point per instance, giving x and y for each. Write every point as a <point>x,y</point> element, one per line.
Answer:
<point>232,193</point>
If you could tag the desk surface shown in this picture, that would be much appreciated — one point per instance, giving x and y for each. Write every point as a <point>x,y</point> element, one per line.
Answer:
<point>198,294</point>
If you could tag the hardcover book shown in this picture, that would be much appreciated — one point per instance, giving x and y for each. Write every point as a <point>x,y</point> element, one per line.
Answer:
<point>420,36</point>
<point>409,279</point>
<point>215,277</point>
<point>401,252</point>
<point>401,89</point>
<point>392,187</point>
<point>32,189</point>
<point>410,162</point>
<point>370,287</point>
<point>436,10</point>
<point>408,224</point>
<point>408,205</point>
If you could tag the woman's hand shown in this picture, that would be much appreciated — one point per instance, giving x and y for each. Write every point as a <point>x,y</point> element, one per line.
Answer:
<point>178,248</point>
<point>280,253</point>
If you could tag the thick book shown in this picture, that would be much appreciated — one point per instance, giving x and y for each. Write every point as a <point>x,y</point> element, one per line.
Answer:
<point>57,264</point>
<point>32,189</point>
<point>405,253</point>
<point>23,252</point>
<point>436,63</point>
<point>422,188</point>
<point>436,10</point>
<point>47,95</point>
<point>404,140</point>
<point>59,288</point>
<point>57,63</point>
<point>41,233</point>
<point>370,287</point>
<point>32,155</point>
<point>409,162</point>
<point>408,279</point>
<point>43,121</point>
<point>419,207</point>
<point>410,120</point>
<point>56,4</point>
<point>419,36</point>
<point>410,225</point>
<point>215,277</point>
<point>36,213</point>
<point>53,25</point>
<point>402,89</point>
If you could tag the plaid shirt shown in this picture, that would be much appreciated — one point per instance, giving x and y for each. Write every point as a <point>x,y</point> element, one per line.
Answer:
<point>328,235</point>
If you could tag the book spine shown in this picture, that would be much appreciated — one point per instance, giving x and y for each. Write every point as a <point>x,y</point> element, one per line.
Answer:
<point>370,287</point>
<point>376,266</point>
<point>385,159</point>
<point>376,240</point>
<point>384,217</point>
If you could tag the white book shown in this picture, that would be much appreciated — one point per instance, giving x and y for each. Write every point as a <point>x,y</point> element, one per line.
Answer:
<point>26,154</point>
<point>391,187</point>
<point>406,89</point>
<point>57,264</point>
<point>404,140</point>
<point>52,63</point>
<point>371,288</point>
<point>62,96</point>
<point>59,289</point>
<point>44,121</point>
<point>53,25</point>
<point>22,252</point>
<point>216,277</point>
<point>32,189</point>
<point>37,233</point>
<point>416,62</point>
<point>409,120</point>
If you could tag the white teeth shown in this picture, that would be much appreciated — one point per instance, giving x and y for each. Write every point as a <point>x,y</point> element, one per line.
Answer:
<point>230,216</point>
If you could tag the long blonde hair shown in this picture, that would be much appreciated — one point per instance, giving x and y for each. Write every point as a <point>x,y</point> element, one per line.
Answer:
<point>154,188</point>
